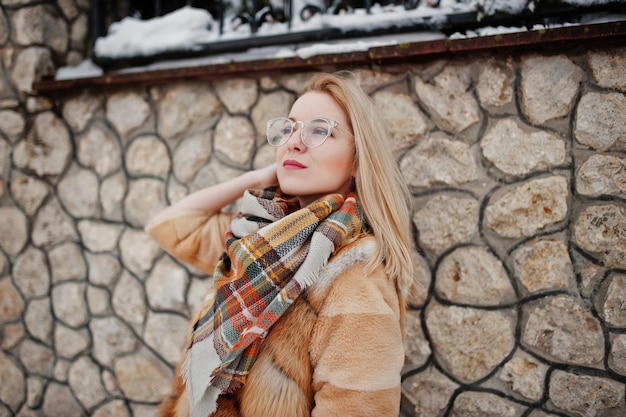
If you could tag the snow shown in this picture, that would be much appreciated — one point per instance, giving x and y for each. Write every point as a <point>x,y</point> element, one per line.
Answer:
<point>191,28</point>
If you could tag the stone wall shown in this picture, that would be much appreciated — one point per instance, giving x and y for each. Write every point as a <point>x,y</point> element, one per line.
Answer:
<point>517,163</point>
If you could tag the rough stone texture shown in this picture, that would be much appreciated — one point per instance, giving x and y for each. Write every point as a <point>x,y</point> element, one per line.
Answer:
<point>428,392</point>
<point>12,394</point>
<point>79,109</point>
<point>472,275</point>
<point>166,286</point>
<point>128,300</point>
<point>111,339</point>
<point>609,68</point>
<point>13,335</point>
<point>147,156</point>
<point>190,107</point>
<point>438,161</point>
<point>98,301</point>
<point>75,313</point>
<point>403,119</point>
<point>78,192</point>
<point>69,342</point>
<point>495,84</point>
<point>11,123</point>
<point>238,95</point>
<point>170,348</point>
<point>38,320</point>
<point>143,377</point>
<point>451,106</point>
<point>59,402</point>
<point>549,86</point>
<point>13,230</point>
<point>416,344</point>
<point>29,192</point>
<point>519,218</point>
<point>31,274</point>
<point>32,64</point>
<point>446,220</point>
<point>66,262</point>
<point>12,305</point>
<point>524,375</point>
<point>528,208</point>
<point>84,379</point>
<point>103,269</point>
<point>144,199</point>
<point>115,408</point>
<point>235,139</point>
<point>599,124</point>
<point>36,358</point>
<point>484,404</point>
<point>4,28</point>
<point>585,395</point>
<point>5,161</point>
<point>192,152</point>
<point>46,149</point>
<point>138,252</point>
<point>123,120</point>
<point>276,104</point>
<point>613,311</point>
<point>617,360</point>
<point>470,342</point>
<point>112,191</point>
<point>34,391</point>
<point>543,265</point>
<point>602,175</point>
<point>50,29</point>
<point>563,329</point>
<point>99,236</point>
<point>52,225</point>
<point>99,149</point>
<point>516,152</point>
<point>601,232</point>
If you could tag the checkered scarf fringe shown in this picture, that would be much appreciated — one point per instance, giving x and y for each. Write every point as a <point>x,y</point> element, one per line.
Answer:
<point>274,251</point>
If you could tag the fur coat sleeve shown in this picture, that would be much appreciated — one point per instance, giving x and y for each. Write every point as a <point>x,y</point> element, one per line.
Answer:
<point>356,347</point>
<point>194,237</point>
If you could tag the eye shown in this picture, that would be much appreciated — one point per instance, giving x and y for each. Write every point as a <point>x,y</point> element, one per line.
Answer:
<point>320,131</point>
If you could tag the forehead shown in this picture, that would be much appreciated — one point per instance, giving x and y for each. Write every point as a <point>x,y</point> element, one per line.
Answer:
<point>317,104</point>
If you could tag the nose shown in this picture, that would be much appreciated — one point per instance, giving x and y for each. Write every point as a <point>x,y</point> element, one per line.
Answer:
<point>295,139</point>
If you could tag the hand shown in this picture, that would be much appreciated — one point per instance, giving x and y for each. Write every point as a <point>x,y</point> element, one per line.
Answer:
<point>266,177</point>
<point>215,197</point>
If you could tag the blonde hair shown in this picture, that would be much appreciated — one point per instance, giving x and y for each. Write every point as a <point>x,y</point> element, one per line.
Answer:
<point>382,191</point>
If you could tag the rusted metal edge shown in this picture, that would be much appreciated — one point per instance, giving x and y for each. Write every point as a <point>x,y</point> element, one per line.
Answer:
<point>605,33</point>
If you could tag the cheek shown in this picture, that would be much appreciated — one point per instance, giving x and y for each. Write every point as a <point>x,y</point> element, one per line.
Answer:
<point>279,153</point>
<point>341,165</point>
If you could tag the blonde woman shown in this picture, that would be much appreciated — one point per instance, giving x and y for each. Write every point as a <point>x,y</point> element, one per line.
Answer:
<point>305,318</point>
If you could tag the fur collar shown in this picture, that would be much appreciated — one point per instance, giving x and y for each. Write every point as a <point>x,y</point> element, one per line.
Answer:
<point>360,251</point>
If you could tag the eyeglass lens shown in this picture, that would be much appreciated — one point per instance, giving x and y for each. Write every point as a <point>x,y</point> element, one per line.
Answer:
<point>314,131</point>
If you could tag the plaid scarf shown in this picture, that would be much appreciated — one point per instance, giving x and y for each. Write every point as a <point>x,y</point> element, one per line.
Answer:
<point>274,250</point>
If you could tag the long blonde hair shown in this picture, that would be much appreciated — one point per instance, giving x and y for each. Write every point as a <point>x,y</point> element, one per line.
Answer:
<point>382,191</point>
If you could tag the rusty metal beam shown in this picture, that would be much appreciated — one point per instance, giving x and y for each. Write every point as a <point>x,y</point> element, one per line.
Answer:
<point>602,34</point>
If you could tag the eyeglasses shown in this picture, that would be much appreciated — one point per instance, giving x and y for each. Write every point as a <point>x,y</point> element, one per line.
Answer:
<point>314,131</point>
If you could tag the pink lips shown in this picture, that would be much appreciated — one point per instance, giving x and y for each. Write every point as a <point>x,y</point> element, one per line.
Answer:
<point>292,164</point>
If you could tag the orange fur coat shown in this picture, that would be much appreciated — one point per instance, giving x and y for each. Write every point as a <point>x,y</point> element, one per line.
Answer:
<point>337,351</point>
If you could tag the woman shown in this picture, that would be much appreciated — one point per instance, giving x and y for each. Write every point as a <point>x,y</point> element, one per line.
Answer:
<point>306,314</point>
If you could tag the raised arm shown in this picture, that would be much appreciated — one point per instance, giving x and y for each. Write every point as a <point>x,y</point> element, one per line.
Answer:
<point>215,197</point>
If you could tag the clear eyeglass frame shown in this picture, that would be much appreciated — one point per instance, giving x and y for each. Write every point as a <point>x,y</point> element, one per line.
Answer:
<point>313,132</point>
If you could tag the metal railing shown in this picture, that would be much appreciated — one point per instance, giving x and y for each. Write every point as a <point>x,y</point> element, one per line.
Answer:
<point>256,15</point>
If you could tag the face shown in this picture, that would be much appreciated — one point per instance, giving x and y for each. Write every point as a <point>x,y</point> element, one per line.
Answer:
<point>310,173</point>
